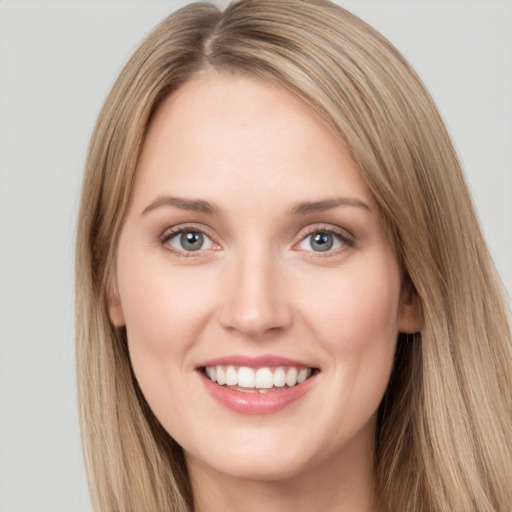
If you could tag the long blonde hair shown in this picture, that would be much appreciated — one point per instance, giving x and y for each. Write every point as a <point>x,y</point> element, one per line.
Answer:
<point>444,434</point>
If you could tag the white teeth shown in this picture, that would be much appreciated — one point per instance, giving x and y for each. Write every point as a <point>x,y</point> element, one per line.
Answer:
<point>261,378</point>
<point>246,377</point>
<point>279,378</point>
<point>231,376</point>
<point>264,378</point>
<point>221,376</point>
<point>304,373</point>
<point>291,377</point>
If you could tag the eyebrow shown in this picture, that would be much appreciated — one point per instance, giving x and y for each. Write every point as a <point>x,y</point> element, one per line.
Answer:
<point>309,207</point>
<point>207,208</point>
<point>192,205</point>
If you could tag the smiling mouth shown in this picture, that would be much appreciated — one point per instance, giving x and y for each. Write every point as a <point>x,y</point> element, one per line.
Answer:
<point>257,380</point>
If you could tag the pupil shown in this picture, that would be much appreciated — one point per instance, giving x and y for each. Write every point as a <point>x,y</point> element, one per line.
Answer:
<point>322,242</point>
<point>191,241</point>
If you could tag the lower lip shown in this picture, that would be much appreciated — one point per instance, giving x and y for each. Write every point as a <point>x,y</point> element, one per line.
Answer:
<point>256,403</point>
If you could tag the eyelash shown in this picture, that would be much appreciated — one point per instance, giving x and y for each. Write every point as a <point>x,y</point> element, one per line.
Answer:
<point>345,239</point>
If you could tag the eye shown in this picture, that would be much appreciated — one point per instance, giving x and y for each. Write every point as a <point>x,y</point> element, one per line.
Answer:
<point>323,241</point>
<point>188,240</point>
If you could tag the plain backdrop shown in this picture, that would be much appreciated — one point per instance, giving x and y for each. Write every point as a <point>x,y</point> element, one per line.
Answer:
<point>57,63</point>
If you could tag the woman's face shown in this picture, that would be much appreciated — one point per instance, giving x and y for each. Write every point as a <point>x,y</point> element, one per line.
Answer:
<point>254,253</point>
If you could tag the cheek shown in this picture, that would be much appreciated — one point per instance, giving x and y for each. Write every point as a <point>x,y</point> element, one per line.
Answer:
<point>356,324</point>
<point>164,315</point>
<point>152,297</point>
<point>163,311</point>
<point>359,311</point>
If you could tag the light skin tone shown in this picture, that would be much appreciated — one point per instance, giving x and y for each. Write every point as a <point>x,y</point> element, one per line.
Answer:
<point>289,257</point>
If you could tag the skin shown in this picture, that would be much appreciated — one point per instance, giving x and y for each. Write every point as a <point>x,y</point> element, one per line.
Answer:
<point>258,287</point>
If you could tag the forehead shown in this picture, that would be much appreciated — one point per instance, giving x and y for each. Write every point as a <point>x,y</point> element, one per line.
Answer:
<point>222,134</point>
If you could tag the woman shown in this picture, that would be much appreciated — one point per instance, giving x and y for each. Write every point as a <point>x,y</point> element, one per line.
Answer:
<point>283,295</point>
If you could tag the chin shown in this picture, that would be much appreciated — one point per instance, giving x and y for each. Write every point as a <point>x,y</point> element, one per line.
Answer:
<point>276,469</point>
<point>258,461</point>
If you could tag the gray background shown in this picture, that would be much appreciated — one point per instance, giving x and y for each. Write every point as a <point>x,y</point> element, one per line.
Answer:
<point>57,62</point>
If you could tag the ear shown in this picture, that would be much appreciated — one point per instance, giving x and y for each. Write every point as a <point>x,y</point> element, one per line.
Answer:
<point>114,307</point>
<point>410,316</point>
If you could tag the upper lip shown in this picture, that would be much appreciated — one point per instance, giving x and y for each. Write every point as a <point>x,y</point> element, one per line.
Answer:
<point>262,361</point>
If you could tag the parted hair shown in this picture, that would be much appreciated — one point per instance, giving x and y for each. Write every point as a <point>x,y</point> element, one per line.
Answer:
<point>444,433</point>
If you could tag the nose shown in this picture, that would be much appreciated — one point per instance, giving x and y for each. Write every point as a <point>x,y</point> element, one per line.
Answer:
<point>255,302</point>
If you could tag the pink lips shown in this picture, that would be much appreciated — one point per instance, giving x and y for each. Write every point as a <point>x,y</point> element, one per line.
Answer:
<point>255,402</point>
